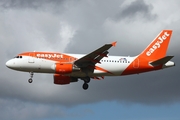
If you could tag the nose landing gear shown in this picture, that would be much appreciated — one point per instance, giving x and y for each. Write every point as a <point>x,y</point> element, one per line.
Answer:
<point>31,76</point>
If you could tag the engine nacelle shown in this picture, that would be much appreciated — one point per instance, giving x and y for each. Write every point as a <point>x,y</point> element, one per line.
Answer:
<point>65,68</point>
<point>62,80</point>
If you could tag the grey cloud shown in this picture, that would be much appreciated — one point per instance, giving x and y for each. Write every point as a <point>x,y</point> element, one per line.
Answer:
<point>27,3</point>
<point>19,110</point>
<point>90,22</point>
<point>29,30</point>
<point>136,9</point>
<point>35,29</point>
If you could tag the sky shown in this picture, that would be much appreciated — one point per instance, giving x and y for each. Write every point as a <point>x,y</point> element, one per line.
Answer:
<point>81,26</point>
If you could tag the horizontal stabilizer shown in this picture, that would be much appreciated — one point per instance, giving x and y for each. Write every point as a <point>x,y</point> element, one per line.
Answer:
<point>161,61</point>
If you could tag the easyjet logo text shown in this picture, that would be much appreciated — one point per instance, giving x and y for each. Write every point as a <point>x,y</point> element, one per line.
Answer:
<point>157,44</point>
<point>57,56</point>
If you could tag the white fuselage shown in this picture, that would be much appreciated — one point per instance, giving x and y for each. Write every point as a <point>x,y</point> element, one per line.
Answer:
<point>110,66</point>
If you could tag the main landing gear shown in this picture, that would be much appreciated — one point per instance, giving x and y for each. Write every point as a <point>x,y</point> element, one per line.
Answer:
<point>31,76</point>
<point>86,81</point>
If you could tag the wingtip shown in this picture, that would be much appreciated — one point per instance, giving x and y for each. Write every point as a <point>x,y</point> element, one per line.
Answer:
<point>114,43</point>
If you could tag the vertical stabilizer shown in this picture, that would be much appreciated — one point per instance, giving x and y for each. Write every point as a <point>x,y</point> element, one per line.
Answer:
<point>158,47</point>
<point>153,57</point>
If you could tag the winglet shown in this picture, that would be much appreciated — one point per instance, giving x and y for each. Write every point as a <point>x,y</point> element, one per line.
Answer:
<point>114,43</point>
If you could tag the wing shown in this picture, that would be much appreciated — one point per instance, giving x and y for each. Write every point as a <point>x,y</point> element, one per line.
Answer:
<point>89,60</point>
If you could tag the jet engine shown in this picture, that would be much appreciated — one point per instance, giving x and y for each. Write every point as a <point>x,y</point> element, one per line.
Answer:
<point>65,68</point>
<point>62,80</point>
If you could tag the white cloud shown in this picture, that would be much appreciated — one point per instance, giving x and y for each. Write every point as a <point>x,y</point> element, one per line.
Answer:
<point>67,32</point>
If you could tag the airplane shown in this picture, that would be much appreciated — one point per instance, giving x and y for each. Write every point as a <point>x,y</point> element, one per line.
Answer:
<point>69,68</point>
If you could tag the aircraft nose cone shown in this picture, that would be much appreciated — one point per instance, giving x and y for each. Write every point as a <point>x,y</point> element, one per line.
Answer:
<point>9,64</point>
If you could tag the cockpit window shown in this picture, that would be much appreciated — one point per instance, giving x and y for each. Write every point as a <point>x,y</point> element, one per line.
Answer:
<point>18,57</point>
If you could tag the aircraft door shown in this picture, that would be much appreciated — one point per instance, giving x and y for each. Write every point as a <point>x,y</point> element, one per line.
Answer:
<point>136,63</point>
<point>31,58</point>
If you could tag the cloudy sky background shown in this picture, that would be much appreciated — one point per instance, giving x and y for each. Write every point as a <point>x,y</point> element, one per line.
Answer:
<point>81,26</point>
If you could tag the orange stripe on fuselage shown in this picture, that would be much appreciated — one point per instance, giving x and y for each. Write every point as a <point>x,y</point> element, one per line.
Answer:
<point>101,69</point>
<point>59,57</point>
<point>143,66</point>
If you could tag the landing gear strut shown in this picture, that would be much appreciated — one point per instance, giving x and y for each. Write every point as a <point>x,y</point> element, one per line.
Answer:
<point>86,81</point>
<point>31,76</point>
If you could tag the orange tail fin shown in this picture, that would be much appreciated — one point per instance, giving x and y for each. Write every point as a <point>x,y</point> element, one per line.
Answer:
<point>158,47</point>
<point>153,57</point>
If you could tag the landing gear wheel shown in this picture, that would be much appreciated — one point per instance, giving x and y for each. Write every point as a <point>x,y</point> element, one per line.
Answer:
<point>30,80</point>
<point>85,86</point>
